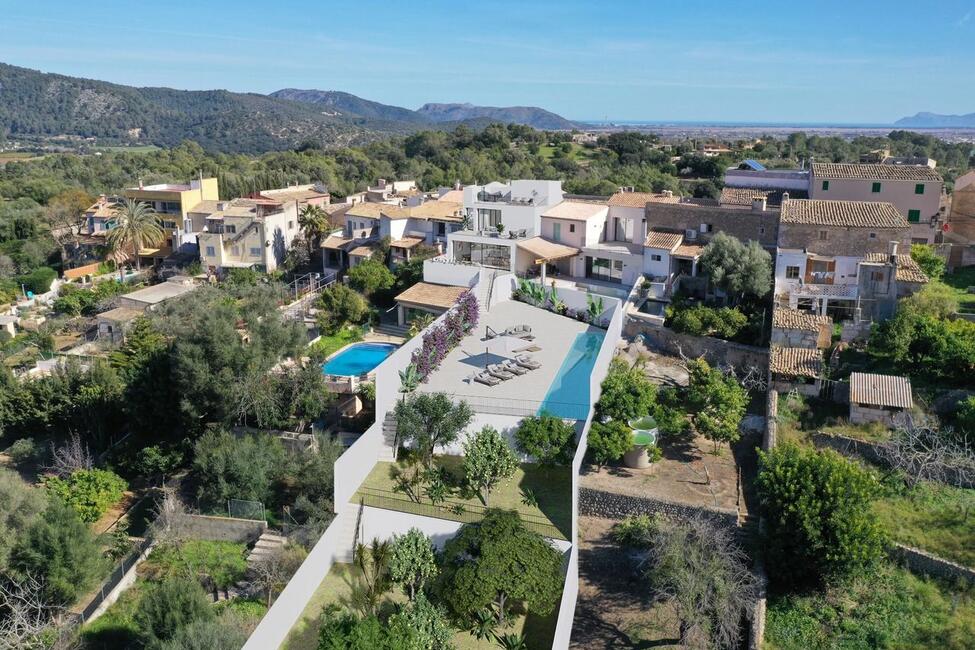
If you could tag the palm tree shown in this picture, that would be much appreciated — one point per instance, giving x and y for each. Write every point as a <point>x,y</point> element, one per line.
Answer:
<point>314,223</point>
<point>136,225</point>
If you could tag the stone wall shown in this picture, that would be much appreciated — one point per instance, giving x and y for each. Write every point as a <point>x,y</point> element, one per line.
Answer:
<point>713,350</point>
<point>771,421</point>
<point>918,561</point>
<point>225,529</point>
<point>756,618</point>
<point>610,505</point>
<point>793,338</point>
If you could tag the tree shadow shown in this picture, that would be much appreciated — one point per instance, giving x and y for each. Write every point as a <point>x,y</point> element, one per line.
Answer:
<point>551,487</point>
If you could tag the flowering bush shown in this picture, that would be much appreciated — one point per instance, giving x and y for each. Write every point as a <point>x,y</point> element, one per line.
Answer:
<point>441,339</point>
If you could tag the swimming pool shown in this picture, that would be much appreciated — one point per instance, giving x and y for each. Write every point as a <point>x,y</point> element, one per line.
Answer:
<point>357,359</point>
<point>568,396</point>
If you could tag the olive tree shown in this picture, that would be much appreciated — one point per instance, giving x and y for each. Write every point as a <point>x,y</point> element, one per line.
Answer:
<point>412,562</point>
<point>430,420</point>
<point>488,460</point>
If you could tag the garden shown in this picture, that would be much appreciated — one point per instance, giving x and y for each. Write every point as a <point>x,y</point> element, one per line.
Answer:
<point>406,594</point>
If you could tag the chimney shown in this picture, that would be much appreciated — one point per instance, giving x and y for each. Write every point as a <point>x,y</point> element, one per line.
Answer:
<point>759,204</point>
<point>785,196</point>
<point>141,186</point>
<point>668,193</point>
<point>382,183</point>
<point>893,252</point>
<point>457,184</point>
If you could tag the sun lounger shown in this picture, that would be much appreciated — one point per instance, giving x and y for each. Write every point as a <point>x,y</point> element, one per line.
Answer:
<point>525,361</point>
<point>495,370</point>
<point>511,366</point>
<point>484,378</point>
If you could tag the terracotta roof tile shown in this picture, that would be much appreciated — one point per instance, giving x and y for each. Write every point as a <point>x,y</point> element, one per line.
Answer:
<point>874,172</point>
<point>640,199</point>
<point>907,269</point>
<point>849,214</point>
<point>796,362</point>
<point>665,240</point>
<point>794,319</point>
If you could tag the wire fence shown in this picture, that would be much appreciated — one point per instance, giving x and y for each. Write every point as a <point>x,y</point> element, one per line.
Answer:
<point>466,513</point>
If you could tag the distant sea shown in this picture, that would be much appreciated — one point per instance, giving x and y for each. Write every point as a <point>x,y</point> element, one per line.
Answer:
<point>752,125</point>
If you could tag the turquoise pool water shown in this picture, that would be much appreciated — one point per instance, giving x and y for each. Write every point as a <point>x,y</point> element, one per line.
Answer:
<point>357,359</point>
<point>568,396</point>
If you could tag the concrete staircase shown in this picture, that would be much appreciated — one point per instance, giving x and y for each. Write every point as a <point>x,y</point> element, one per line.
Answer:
<point>392,329</point>
<point>388,449</point>
<point>269,542</point>
<point>348,522</point>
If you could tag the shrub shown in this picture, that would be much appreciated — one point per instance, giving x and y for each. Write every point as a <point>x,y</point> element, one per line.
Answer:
<point>626,393</point>
<point>90,492</point>
<point>723,322</point>
<point>170,606</point>
<point>716,401</point>
<point>371,276</point>
<point>546,438</point>
<point>930,262</point>
<point>488,460</point>
<point>441,339</point>
<point>423,621</point>
<point>39,280</point>
<point>820,525</point>
<point>231,467</point>
<point>636,531</point>
<point>224,563</point>
<point>340,306</point>
<point>24,451</point>
<point>412,561</point>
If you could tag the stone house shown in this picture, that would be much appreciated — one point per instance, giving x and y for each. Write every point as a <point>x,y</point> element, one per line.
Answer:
<point>879,398</point>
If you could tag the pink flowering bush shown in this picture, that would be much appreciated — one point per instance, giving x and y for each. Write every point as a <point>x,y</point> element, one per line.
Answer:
<point>440,339</point>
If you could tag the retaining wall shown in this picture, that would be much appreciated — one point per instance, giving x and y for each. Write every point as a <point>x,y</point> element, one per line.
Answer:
<point>611,505</point>
<point>712,349</point>
<point>225,529</point>
<point>771,421</point>
<point>918,561</point>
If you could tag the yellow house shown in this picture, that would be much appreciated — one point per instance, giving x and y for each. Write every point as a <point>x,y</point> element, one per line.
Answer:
<point>173,202</point>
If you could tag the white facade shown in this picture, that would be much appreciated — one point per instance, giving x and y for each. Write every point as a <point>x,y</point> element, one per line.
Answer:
<point>517,205</point>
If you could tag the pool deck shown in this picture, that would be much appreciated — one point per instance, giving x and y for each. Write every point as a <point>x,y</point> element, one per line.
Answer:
<point>554,335</point>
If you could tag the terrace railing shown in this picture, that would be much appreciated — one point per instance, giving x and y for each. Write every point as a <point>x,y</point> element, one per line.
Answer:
<point>450,510</point>
<point>523,407</point>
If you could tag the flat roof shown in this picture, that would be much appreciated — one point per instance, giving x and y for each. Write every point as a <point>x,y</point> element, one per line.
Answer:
<point>554,337</point>
<point>159,292</point>
<point>575,210</point>
<point>120,314</point>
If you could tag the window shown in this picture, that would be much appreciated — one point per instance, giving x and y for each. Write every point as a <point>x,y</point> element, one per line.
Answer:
<point>707,227</point>
<point>187,225</point>
<point>914,216</point>
<point>572,227</point>
<point>823,235</point>
<point>825,186</point>
<point>236,251</point>
<point>598,268</point>
<point>919,188</point>
<point>557,231</point>
<point>291,225</point>
<point>873,235</point>
<point>792,272</point>
<point>490,255</point>
<point>875,188</point>
<point>488,219</point>
<point>211,251</point>
<point>877,276</point>
<point>441,229</point>
<point>230,229</point>
<point>255,252</point>
<point>655,258</point>
<point>761,230</point>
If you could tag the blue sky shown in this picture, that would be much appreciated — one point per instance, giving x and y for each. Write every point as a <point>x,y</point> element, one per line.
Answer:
<point>852,61</point>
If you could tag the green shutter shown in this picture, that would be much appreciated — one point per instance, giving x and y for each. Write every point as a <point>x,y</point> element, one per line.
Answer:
<point>876,188</point>
<point>825,185</point>
<point>914,216</point>
<point>919,188</point>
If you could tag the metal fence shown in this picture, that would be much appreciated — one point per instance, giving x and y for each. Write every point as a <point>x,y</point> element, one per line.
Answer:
<point>523,407</point>
<point>244,509</point>
<point>466,513</point>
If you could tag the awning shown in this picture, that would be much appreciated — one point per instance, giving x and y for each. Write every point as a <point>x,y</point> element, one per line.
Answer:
<point>335,242</point>
<point>547,251</point>
<point>426,294</point>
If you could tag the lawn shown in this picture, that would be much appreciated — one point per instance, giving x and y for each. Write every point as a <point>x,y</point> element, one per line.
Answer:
<point>224,562</point>
<point>551,488</point>
<point>960,280</point>
<point>326,345</point>
<point>800,417</point>
<point>579,153</point>
<point>116,628</point>
<point>936,518</point>
<point>889,608</point>
<point>337,588</point>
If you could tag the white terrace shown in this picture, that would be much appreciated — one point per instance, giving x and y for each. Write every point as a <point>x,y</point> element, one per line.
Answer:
<point>554,336</point>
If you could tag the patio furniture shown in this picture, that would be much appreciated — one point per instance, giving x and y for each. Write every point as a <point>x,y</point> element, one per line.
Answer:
<point>511,366</point>
<point>485,378</point>
<point>520,332</point>
<point>526,361</point>
<point>496,370</point>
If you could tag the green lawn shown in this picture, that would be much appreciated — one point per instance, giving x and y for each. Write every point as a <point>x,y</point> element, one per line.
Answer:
<point>116,628</point>
<point>551,487</point>
<point>799,418</point>
<point>890,608</point>
<point>326,345</point>
<point>337,588</point>
<point>936,518</point>
<point>960,280</point>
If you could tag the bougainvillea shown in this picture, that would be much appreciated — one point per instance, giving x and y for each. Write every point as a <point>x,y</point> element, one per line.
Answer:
<point>440,339</point>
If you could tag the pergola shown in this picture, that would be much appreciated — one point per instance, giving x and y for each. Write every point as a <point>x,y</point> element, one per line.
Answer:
<point>545,251</point>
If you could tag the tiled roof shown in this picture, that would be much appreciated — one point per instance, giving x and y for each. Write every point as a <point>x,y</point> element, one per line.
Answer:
<point>442,210</point>
<point>796,362</point>
<point>880,390</point>
<point>374,210</point>
<point>335,242</point>
<point>406,242</point>
<point>575,210</point>
<point>431,295</point>
<point>546,250</point>
<point>794,319</point>
<point>688,250</point>
<point>744,195</point>
<point>362,251</point>
<point>907,269</point>
<point>850,214</point>
<point>640,199</point>
<point>665,240</point>
<point>455,196</point>
<point>874,172</point>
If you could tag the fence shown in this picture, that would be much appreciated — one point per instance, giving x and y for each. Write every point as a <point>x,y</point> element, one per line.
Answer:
<point>523,407</point>
<point>107,593</point>
<point>465,513</point>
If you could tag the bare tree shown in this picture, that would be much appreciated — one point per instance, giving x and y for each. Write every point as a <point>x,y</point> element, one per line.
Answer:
<point>70,457</point>
<point>925,452</point>
<point>274,568</point>
<point>171,517</point>
<point>24,616</point>
<point>699,568</point>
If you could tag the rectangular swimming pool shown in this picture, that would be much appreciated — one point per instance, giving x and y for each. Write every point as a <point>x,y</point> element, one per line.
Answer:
<point>568,396</point>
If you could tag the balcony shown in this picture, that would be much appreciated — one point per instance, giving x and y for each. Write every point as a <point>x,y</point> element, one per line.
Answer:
<point>799,289</point>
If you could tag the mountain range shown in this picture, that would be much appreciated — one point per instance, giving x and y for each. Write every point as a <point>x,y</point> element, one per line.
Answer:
<point>48,108</point>
<point>936,120</point>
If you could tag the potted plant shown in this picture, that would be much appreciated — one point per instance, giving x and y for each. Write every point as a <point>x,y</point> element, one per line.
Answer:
<point>500,228</point>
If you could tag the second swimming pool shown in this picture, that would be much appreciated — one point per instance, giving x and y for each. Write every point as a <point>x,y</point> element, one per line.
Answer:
<point>357,359</point>
<point>568,396</point>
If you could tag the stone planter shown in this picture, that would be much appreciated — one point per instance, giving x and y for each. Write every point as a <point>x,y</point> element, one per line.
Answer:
<point>637,458</point>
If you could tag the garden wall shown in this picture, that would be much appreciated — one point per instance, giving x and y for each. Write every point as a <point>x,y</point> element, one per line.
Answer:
<point>771,421</point>
<point>223,529</point>
<point>712,349</point>
<point>918,561</point>
<point>611,505</point>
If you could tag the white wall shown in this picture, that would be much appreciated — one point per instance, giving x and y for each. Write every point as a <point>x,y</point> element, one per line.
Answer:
<point>656,269</point>
<point>637,215</point>
<point>457,275</point>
